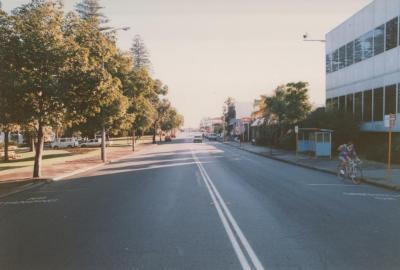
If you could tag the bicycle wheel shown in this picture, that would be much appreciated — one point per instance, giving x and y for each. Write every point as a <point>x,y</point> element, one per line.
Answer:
<point>341,172</point>
<point>356,175</point>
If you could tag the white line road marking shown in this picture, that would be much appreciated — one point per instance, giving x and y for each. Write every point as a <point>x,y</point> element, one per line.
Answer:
<point>386,197</point>
<point>37,200</point>
<point>226,216</point>
<point>340,185</point>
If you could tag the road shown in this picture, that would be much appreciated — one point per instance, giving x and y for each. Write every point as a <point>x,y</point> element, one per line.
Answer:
<point>200,206</point>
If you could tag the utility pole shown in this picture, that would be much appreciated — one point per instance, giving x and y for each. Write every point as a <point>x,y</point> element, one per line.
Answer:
<point>103,126</point>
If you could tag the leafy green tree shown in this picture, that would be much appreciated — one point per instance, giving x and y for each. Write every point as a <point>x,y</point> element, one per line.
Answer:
<point>10,111</point>
<point>141,58</point>
<point>46,56</point>
<point>171,120</point>
<point>90,10</point>
<point>229,112</point>
<point>288,105</point>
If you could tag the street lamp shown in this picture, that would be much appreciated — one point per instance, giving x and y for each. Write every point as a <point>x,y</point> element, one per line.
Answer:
<point>306,38</point>
<point>103,125</point>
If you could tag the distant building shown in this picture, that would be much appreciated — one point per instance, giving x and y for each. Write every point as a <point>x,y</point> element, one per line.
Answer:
<point>363,65</point>
<point>211,124</point>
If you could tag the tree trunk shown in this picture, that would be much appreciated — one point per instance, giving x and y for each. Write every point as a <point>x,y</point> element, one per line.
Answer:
<point>32,144</point>
<point>160,135</point>
<point>133,139</point>
<point>154,133</point>
<point>37,167</point>
<point>6,143</point>
<point>103,144</point>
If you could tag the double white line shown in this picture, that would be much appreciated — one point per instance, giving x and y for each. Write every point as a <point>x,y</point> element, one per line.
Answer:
<point>235,234</point>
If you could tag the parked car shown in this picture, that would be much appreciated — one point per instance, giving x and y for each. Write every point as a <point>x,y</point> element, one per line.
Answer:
<point>198,139</point>
<point>90,143</point>
<point>168,138</point>
<point>64,143</point>
<point>212,136</point>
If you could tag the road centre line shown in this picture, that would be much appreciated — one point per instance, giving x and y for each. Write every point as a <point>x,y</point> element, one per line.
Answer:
<point>226,216</point>
<point>340,185</point>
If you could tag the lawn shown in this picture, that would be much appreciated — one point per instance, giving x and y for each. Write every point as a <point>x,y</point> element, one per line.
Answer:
<point>26,159</point>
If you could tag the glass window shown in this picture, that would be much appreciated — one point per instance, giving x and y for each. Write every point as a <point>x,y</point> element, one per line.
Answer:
<point>379,40</point>
<point>390,99</point>
<point>378,104</point>
<point>367,45</point>
<point>335,103</point>
<point>367,106</point>
<point>357,50</point>
<point>320,137</point>
<point>349,53</point>
<point>349,103</point>
<point>358,106</point>
<point>342,103</point>
<point>328,104</point>
<point>398,98</point>
<point>335,60</point>
<point>328,63</point>
<point>342,57</point>
<point>391,33</point>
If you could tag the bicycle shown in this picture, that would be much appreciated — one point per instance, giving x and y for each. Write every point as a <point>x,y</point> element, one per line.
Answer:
<point>351,170</point>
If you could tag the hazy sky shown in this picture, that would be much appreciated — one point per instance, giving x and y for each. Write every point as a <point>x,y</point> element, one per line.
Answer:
<point>207,50</point>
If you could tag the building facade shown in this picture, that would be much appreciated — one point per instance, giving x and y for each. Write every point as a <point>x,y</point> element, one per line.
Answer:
<point>363,65</point>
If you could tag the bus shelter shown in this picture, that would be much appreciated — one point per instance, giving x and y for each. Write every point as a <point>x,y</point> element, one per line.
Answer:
<point>315,140</point>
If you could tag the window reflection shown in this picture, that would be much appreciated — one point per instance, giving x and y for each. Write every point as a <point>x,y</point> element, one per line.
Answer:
<point>379,39</point>
<point>328,63</point>
<point>367,45</point>
<point>342,103</point>
<point>390,99</point>
<point>391,34</point>
<point>335,60</point>
<point>357,50</point>
<point>349,53</point>
<point>367,106</point>
<point>342,57</point>
<point>358,106</point>
<point>349,103</point>
<point>378,104</point>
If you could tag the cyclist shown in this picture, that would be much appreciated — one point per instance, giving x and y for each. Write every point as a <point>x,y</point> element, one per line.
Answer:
<point>347,153</point>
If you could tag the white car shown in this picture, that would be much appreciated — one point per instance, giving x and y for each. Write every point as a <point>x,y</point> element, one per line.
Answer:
<point>212,137</point>
<point>198,138</point>
<point>91,143</point>
<point>64,143</point>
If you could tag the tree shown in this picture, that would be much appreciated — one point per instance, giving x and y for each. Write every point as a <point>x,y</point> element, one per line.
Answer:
<point>140,90</point>
<point>162,109</point>
<point>61,82</point>
<point>10,112</point>
<point>141,58</point>
<point>105,103</point>
<point>45,55</point>
<point>90,10</point>
<point>229,112</point>
<point>288,105</point>
<point>171,120</point>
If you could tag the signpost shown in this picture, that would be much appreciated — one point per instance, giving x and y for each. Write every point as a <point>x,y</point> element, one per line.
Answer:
<point>390,123</point>
<point>296,130</point>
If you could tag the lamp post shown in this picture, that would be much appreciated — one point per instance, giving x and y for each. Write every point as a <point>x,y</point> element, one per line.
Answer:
<point>306,38</point>
<point>103,125</point>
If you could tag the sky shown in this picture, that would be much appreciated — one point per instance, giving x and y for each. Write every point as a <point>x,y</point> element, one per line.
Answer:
<point>208,50</point>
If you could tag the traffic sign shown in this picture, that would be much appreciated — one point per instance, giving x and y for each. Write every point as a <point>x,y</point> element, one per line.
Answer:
<point>390,121</point>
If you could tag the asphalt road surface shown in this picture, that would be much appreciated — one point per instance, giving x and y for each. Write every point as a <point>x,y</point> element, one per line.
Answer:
<point>200,206</point>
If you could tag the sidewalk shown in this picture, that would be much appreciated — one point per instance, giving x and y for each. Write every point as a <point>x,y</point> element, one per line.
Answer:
<point>63,168</point>
<point>374,173</point>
